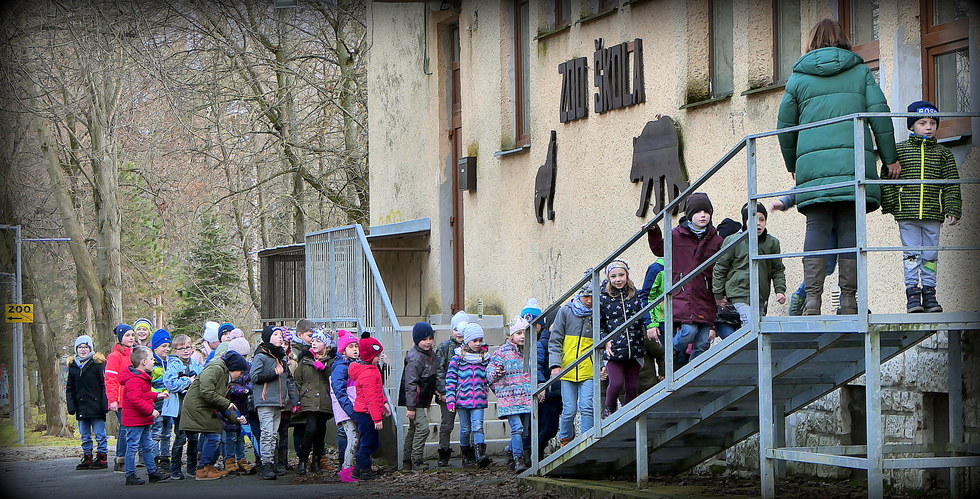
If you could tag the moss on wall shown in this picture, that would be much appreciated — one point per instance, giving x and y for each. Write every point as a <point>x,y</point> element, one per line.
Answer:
<point>432,305</point>
<point>473,149</point>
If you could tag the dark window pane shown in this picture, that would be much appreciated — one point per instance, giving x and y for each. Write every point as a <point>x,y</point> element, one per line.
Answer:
<point>864,21</point>
<point>953,81</point>
<point>722,80</point>
<point>789,36</point>
<point>944,11</point>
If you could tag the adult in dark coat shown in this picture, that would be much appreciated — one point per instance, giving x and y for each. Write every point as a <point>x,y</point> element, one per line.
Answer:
<point>827,82</point>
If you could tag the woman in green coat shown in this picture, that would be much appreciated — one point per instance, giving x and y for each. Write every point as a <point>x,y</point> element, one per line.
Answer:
<point>827,82</point>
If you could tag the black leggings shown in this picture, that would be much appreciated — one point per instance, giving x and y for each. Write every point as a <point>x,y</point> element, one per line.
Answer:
<point>316,429</point>
<point>823,218</point>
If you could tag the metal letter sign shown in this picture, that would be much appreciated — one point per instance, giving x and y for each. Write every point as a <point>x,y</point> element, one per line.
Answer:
<point>574,89</point>
<point>613,77</point>
<point>544,182</point>
<point>657,163</point>
<point>19,312</point>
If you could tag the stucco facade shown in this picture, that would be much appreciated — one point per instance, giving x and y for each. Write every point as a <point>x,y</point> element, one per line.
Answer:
<point>508,256</point>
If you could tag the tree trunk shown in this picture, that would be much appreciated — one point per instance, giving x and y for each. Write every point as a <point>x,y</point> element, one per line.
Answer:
<point>49,365</point>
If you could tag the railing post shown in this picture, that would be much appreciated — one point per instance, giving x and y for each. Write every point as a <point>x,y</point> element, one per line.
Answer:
<point>767,472</point>
<point>872,366</point>
<point>596,356</point>
<point>668,303</point>
<point>860,224</point>
<point>752,225</point>
<point>331,275</point>
<point>955,382</point>
<point>531,362</point>
<point>642,453</point>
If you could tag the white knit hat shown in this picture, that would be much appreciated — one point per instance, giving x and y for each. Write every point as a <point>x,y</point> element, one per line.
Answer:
<point>472,331</point>
<point>518,324</point>
<point>211,331</point>
<point>457,319</point>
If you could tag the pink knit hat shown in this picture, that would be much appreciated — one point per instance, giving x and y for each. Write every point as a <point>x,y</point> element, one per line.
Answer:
<point>240,345</point>
<point>345,338</point>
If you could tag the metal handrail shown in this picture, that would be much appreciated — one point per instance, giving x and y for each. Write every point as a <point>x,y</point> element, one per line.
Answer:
<point>750,232</point>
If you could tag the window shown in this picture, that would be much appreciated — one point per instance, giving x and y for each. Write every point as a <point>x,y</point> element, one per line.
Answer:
<point>787,38</point>
<point>522,76</point>
<point>720,55</point>
<point>859,18</point>
<point>561,13</point>
<point>607,5</point>
<point>946,61</point>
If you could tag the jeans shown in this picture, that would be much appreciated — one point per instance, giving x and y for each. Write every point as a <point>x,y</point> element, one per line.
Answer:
<point>139,439</point>
<point>576,395</point>
<point>269,419</point>
<point>446,426</point>
<point>470,426</point>
<point>698,334</point>
<point>919,264</point>
<point>163,427</point>
<point>233,444</point>
<point>520,425</point>
<point>623,374</point>
<point>208,443</point>
<point>368,440</point>
<point>824,219</point>
<point>351,439</point>
<point>342,439</point>
<point>316,428</point>
<point>120,437</point>
<point>88,426</point>
<point>177,450</point>
<point>417,434</point>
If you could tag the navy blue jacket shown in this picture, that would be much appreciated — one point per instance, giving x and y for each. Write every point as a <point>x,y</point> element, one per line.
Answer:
<point>544,372</point>
<point>338,381</point>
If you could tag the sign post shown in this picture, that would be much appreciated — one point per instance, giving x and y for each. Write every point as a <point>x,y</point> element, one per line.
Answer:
<point>17,362</point>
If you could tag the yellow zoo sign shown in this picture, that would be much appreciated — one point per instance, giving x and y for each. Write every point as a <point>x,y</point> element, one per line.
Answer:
<point>19,312</point>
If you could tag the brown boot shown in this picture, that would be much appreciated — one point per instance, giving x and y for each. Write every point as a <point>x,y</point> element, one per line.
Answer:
<point>231,466</point>
<point>325,465</point>
<point>245,468</point>
<point>208,473</point>
<point>565,441</point>
<point>814,273</point>
<point>848,279</point>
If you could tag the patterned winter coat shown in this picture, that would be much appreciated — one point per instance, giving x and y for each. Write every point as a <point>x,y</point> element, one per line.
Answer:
<point>923,159</point>
<point>466,380</point>
<point>615,309</point>
<point>444,354</point>
<point>510,381</point>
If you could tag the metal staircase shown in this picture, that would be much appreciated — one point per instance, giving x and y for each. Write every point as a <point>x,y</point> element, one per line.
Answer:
<point>767,370</point>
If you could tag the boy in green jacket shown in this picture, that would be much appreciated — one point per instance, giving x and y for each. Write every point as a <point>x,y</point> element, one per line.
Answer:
<point>731,272</point>
<point>921,209</point>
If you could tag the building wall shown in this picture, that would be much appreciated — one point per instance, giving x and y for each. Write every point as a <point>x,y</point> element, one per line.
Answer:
<point>510,257</point>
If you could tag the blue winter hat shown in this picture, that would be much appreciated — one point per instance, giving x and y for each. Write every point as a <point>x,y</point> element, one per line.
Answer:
<point>234,361</point>
<point>143,322</point>
<point>160,336</point>
<point>421,331</point>
<point>921,106</point>
<point>120,330</point>
<point>531,310</point>
<point>225,328</point>
<point>84,340</point>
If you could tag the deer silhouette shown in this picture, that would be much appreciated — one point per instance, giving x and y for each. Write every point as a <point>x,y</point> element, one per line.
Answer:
<point>544,182</point>
<point>657,163</point>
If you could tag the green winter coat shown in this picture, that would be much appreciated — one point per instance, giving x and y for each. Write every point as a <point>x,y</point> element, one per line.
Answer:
<point>731,272</point>
<point>313,385</point>
<point>828,83</point>
<point>923,159</point>
<point>207,395</point>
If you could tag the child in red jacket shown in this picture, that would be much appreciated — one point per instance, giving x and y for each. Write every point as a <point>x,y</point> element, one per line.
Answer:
<point>138,415</point>
<point>369,406</point>
<point>693,241</point>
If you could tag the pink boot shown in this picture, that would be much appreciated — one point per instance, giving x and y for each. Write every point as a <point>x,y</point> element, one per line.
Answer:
<point>346,475</point>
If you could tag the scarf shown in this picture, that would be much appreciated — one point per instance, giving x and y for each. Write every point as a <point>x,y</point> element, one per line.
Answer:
<point>272,350</point>
<point>82,360</point>
<point>470,357</point>
<point>699,233</point>
<point>579,309</point>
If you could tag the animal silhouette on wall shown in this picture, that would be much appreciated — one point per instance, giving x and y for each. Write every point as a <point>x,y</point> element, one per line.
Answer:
<point>657,163</point>
<point>544,183</point>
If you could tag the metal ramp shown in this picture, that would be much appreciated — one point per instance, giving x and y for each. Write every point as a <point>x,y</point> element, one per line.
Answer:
<point>714,402</point>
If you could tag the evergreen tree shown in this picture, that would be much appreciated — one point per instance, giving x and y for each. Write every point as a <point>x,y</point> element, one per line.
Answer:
<point>211,283</point>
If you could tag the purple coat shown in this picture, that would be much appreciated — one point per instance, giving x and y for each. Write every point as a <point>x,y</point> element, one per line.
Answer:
<point>695,302</point>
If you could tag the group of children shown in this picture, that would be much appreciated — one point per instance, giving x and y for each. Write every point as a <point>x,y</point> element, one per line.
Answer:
<point>161,387</point>
<point>210,398</point>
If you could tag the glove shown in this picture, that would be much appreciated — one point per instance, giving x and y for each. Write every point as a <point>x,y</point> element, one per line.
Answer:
<point>319,365</point>
<point>451,406</point>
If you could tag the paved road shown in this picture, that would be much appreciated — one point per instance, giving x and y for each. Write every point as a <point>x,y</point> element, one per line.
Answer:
<point>58,478</point>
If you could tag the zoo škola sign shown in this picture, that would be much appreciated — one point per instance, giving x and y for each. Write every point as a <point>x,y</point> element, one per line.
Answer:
<point>618,78</point>
<point>617,75</point>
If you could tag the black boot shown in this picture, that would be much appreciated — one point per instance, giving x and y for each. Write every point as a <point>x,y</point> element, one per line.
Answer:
<point>268,471</point>
<point>302,467</point>
<point>519,464</point>
<point>510,459</point>
<point>914,296</point>
<point>86,462</point>
<point>281,461</point>
<point>482,460</point>
<point>467,452</point>
<point>929,302</point>
<point>445,454</point>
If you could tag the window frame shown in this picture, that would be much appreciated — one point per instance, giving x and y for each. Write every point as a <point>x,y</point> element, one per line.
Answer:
<point>777,78</point>
<point>562,19</point>
<point>522,137</point>
<point>603,6</point>
<point>871,51</point>
<point>940,39</point>
<point>711,53</point>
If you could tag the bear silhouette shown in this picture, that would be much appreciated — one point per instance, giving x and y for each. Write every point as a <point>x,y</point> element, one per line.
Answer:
<point>657,163</point>
<point>544,182</point>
